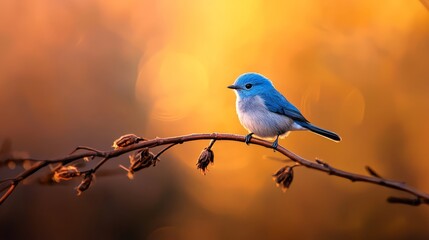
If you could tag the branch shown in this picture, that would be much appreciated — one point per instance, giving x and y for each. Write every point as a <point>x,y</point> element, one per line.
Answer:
<point>141,157</point>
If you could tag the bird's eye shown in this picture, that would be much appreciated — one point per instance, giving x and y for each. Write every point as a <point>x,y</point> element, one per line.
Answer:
<point>248,86</point>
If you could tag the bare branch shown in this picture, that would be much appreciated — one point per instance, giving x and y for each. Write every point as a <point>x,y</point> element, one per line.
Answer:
<point>130,143</point>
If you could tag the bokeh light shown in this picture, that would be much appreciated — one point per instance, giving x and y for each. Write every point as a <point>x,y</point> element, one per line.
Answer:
<point>86,72</point>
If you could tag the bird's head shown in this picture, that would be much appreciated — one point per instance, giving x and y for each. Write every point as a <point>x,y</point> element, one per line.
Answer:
<point>251,84</point>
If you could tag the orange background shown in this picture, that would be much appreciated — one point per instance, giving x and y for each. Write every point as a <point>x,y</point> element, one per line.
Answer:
<point>85,72</point>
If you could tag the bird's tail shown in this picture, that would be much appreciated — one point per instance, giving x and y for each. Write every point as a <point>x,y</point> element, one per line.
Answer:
<point>328,134</point>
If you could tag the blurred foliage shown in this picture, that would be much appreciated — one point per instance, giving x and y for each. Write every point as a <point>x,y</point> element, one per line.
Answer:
<point>85,72</point>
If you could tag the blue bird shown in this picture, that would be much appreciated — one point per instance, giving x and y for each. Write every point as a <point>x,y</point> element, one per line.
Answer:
<point>263,111</point>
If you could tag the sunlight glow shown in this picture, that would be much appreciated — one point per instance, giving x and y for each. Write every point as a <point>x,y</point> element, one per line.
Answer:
<point>175,81</point>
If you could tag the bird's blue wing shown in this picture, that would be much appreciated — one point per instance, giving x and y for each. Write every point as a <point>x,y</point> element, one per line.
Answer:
<point>277,103</point>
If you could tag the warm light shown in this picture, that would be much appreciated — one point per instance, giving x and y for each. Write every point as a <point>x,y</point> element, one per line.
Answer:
<point>174,82</point>
<point>353,108</point>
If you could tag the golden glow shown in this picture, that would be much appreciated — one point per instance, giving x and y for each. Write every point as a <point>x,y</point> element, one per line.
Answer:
<point>86,72</point>
<point>353,108</point>
<point>175,82</point>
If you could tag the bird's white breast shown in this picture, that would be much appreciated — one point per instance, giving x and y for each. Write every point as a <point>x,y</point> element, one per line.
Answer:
<point>256,118</point>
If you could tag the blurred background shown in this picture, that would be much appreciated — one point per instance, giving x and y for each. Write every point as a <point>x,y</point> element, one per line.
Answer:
<point>86,72</point>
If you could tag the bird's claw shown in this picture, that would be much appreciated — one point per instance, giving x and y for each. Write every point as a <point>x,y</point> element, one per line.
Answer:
<point>275,143</point>
<point>247,138</point>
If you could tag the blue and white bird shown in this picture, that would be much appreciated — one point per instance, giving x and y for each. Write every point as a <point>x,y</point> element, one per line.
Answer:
<point>264,111</point>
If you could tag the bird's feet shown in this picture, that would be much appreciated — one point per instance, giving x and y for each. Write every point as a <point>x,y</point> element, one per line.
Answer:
<point>247,138</point>
<point>275,143</point>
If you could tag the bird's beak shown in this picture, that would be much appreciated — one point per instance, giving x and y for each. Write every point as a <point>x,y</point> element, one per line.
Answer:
<point>234,87</point>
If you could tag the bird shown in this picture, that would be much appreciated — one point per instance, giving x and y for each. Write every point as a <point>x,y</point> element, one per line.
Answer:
<point>265,112</point>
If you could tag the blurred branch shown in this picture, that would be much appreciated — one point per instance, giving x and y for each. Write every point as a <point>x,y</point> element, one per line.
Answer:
<point>66,168</point>
<point>425,3</point>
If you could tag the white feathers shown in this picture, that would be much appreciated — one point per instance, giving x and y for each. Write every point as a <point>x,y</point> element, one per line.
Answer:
<point>256,118</point>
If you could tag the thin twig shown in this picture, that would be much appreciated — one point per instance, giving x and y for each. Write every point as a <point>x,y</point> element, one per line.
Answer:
<point>165,149</point>
<point>8,192</point>
<point>101,153</point>
<point>318,165</point>
<point>99,164</point>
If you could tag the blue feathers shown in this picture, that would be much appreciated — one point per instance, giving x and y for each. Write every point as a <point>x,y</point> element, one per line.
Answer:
<point>277,103</point>
<point>264,111</point>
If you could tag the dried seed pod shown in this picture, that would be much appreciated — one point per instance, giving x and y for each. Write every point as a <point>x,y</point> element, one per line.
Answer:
<point>206,157</point>
<point>86,182</point>
<point>284,177</point>
<point>65,173</point>
<point>139,160</point>
<point>126,140</point>
<point>142,159</point>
